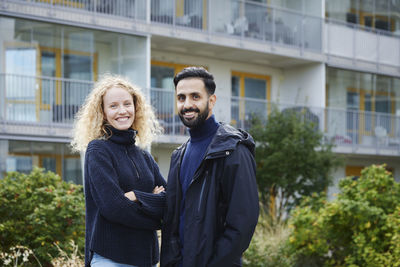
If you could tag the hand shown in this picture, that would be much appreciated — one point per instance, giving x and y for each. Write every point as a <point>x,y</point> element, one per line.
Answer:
<point>131,196</point>
<point>158,189</point>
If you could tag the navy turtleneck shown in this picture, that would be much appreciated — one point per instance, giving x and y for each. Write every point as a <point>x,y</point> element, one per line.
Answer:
<point>200,138</point>
<point>123,137</point>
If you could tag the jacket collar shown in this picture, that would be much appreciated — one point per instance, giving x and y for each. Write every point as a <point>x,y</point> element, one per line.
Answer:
<point>225,140</point>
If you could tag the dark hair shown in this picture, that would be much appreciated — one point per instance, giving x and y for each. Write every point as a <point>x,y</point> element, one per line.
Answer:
<point>197,72</point>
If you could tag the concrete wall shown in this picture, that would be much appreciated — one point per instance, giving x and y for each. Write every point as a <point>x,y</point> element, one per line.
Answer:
<point>303,85</point>
<point>162,154</point>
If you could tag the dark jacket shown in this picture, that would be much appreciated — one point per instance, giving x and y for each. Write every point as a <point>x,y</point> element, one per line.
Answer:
<point>116,227</point>
<point>221,207</point>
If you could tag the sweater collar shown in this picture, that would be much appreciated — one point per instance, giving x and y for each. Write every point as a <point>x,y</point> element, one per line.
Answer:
<point>123,137</point>
<point>205,130</point>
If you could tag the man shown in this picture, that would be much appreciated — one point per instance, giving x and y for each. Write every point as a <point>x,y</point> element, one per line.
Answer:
<point>212,197</point>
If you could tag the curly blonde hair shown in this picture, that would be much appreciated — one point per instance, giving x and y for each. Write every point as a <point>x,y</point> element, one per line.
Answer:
<point>90,122</point>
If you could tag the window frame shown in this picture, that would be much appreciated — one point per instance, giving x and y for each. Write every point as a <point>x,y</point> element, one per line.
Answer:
<point>242,76</point>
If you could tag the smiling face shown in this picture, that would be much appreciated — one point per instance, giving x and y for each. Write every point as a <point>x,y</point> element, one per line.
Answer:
<point>119,108</point>
<point>193,102</point>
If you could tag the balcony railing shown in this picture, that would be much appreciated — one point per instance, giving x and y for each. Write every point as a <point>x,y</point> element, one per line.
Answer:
<point>29,103</point>
<point>246,20</point>
<point>352,130</point>
<point>163,102</point>
<point>44,100</point>
<point>362,44</point>
<point>262,22</point>
<point>134,9</point>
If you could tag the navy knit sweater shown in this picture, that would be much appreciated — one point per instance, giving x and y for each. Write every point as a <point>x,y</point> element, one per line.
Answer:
<point>200,138</point>
<point>116,227</point>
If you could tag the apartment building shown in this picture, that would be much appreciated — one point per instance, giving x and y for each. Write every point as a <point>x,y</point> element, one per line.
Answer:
<point>338,60</point>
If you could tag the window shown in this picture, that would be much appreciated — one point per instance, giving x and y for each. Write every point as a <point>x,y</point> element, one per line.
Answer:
<point>250,96</point>
<point>34,81</point>
<point>63,97</point>
<point>382,15</point>
<point>364,106</point>
<point>22,156</point>
<point>367,110</point>
<point>355,171</point>
<point>49,68</point>
<point>20,68</point>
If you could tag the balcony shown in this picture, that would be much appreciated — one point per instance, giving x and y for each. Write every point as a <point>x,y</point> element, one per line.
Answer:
<point>367,49</point>
<point>39,106</point>
<point>238,24</point>
<point>351,131</point>
<point>243,20</point>
<point>43,108</point>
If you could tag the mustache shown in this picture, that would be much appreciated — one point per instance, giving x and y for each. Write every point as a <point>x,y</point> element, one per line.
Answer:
<point>183,111</point>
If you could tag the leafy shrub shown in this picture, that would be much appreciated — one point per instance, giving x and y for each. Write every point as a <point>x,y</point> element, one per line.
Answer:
<point>359,228</point>
<point>268,247</point>
<point>38,210</point>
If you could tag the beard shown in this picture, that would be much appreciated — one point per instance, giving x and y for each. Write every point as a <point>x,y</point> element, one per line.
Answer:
<point>195,122</point>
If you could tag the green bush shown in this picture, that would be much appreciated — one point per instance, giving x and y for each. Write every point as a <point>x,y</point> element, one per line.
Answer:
<point>293,159</point>
<point>359,228</point>
<point>268,248</point>
<point>39,210</point>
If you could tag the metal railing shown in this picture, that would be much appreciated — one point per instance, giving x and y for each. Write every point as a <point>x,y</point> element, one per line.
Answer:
<point>122,8</point>
<point>354,129</point>
<point>246,20</point>
<point>49,103</point>
<point>44,100</point>
<point>360,43</point>
<point>163,102</point>
<point>276,25</point>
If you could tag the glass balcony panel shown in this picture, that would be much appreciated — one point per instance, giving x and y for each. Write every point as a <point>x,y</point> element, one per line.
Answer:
<point>163,101</point>
<point>312,29</point>
<point>259,20</point>
<point>288,28</point>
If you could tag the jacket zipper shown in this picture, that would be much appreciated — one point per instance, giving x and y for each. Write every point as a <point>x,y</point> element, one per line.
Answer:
<point>206,157</point>
<point>202,190</point>
<point>137,173</point>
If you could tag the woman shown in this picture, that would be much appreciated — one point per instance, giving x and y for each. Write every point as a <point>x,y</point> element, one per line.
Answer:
<point>124,190</point>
